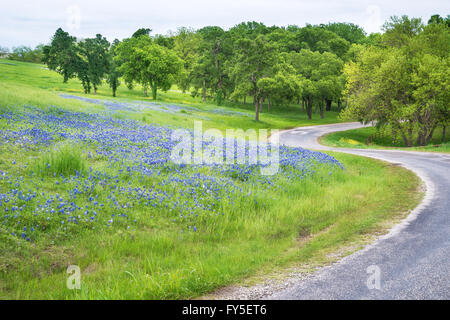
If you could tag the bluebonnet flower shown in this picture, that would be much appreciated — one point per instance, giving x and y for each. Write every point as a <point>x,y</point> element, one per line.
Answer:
<point>138,173</point>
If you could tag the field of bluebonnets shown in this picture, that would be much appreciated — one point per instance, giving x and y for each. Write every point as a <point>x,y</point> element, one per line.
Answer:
<point>88,171</point>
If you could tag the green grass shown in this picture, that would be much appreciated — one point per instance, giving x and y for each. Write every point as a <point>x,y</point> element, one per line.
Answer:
<point>32,84</point>
<point>63,159</point>
<point>297,223</point>
<point>156,261</point>
<point>368,138</point>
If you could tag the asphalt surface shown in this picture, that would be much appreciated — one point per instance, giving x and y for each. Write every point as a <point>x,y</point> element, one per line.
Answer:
<point>412,261</point>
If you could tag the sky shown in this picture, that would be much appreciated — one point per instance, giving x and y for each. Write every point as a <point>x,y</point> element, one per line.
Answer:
<point>33,22</point>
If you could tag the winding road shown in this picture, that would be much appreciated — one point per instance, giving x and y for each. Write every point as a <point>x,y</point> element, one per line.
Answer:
<point>412,261</point>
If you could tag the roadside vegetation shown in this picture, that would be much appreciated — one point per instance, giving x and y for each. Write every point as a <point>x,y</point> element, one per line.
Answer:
<point>372,137</point>
<point>402,83</point>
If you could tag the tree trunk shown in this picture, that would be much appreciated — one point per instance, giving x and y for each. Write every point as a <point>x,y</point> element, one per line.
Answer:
<point>443,133</point>
<point>303,104</point>
<point>245,99</point>
<point>328,105</point>
<point>406,141</point>
<point>145,90</point>
<point>321,108</point>
<point>204,91</point>
<point>261,103</point>
<point>154,91</point>
<point>429,136</point>
<point>339,105</point>
<point>255,99</point>
<point>309,108</point>
<point>268,105</point>
<point>95,90</point>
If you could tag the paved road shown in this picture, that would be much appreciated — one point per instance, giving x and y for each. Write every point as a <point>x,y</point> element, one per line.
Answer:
<point>413,259</point>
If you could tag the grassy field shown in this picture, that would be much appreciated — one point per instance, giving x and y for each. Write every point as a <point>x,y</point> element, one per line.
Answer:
<point>32,84</point>
<point>90,184</point>
<point>371,138</point>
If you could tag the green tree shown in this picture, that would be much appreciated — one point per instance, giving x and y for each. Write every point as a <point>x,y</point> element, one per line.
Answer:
<point>95,53</point>
<point>61,55</point>
<point>406,87</point>
<point>142,32</point>
<point>253,61</point>
<point>148,63</point>
<point>348,31</point>
<point>398,31</point>
<point>164,41</point>
<point>209,71</point>
<point>26,54</point>
<point>321,80</point>
<point>114,74</point>
<point>282,87</point>
<point>319,39</point>
<point>186,43</point>
<point>436,19</point>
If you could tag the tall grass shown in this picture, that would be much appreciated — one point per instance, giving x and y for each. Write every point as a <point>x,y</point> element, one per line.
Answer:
<point>62,159</point>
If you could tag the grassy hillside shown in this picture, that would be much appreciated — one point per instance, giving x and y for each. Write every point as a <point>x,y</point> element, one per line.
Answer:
<point>92,184</point>
<point>27,83</point>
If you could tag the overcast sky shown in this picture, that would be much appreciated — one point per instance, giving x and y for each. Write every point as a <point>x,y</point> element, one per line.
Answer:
<point>33,22</point>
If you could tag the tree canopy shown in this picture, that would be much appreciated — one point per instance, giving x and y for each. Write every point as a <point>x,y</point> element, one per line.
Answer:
<point>397,77</point>
<point>405,83</point>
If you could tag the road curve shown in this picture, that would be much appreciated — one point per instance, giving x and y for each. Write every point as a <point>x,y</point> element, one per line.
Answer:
<point>413,260</point>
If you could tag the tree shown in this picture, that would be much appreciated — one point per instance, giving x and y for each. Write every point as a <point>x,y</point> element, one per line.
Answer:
<point>319,39</point>
<point>284,38</point>
<point>405,87</point>
<point>209,70</point>
<point>431,96</point>
<point>26,54</point>
<point>253,61</point>
<point>61,55</point>
<point>437,19</point>
<point>168,42</point>
<point>186,46</point>
<point>142,32</point>
<point>348,31</point>
<point>282,87</point>
<point>320,78</point>
<point>148,63</point>
<point>114,73</point>
<point>95,53</point>
<point>399,30</point>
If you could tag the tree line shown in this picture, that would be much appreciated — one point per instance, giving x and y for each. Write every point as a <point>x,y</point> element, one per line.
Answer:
<point>403,81</point>
<point>397,77</point>
<point>23,53</point>
<point>273,65</point>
